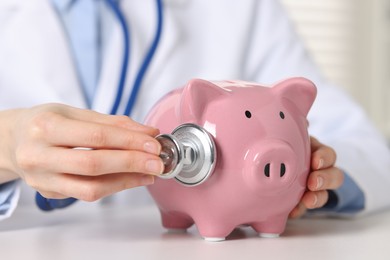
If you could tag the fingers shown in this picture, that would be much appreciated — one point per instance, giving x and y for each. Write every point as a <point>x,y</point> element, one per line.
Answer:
<point>72,127</point>
<point>318,183</point>
<point>310,200</point>
<point>114,120</point>
<point>324,176</point>
<point>100,162</point>
<point>325,179</point>
<point>88,188</point>
<point>72,133</point>
<point>298,211</point>
<point>124,153</point>
<point>322,156</point>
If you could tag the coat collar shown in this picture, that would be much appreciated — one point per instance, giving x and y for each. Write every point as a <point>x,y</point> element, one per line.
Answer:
<point>63,5</point>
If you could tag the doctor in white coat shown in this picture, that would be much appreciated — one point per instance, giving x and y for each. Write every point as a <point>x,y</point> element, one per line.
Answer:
<point>249,40</point>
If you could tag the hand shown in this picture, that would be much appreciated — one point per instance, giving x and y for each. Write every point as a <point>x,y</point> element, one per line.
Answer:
<point>323,176</point>
<point>45,146</point>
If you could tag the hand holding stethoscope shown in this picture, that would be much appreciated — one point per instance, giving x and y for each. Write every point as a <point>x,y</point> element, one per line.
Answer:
<point>39,149</point>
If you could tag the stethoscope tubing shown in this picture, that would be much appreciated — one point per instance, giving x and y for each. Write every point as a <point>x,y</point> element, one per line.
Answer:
<point>126,53</point>
<point>146,62</point>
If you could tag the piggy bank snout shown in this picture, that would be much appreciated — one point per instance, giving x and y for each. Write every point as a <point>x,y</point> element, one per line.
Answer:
<point>276,163</point>
<point>271,165</point>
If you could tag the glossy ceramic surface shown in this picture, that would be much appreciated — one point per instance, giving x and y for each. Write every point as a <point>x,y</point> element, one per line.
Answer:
<point>263,149</point>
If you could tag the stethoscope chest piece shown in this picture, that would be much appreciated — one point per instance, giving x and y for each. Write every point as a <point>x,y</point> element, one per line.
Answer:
<point>189,154</point>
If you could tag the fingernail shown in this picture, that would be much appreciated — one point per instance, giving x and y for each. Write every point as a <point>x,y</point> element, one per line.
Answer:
<point>152,147</point>
<point>154,166</point>
<point>320,182</point>
<point>147,180</point>
<point>315,200</point>
<point>320,164</point>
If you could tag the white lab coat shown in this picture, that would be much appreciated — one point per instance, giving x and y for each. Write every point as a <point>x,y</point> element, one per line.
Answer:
<point>220,39</point>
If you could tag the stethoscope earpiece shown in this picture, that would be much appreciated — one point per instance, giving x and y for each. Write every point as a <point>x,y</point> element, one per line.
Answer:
<point>189,154</point>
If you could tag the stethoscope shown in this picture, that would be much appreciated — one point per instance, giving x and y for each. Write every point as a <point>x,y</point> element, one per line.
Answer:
<point>188,153</point>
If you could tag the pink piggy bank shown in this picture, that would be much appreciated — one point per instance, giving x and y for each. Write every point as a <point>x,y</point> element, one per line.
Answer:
<point>263,151</point>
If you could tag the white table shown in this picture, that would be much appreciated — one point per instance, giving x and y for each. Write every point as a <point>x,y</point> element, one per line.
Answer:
<point>91,231</point>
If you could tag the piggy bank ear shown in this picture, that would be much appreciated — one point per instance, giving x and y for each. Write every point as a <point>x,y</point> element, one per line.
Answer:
<point>196,95</point>
<point>302,92</point>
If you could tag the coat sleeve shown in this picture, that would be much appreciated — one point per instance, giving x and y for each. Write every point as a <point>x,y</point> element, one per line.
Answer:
<point>9,197</point>
<point>276,52</point>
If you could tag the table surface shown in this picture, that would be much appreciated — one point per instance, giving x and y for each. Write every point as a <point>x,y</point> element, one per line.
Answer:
<point>92,231</point>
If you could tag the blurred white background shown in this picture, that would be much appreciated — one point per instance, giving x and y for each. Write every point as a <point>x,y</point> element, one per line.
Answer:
<point>350,41</point>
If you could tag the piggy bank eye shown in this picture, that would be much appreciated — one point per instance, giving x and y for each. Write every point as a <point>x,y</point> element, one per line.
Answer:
<point>248,114</point>
<point>281,114</point>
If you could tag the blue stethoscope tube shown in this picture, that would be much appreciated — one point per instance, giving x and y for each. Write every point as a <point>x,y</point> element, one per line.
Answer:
<point>51,204</point>
<point>126,54</point>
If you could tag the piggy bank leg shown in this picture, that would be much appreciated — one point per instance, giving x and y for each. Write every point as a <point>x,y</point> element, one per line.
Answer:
<point>213,230</point>
<point>176,221</point>
<point>270,228</point>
